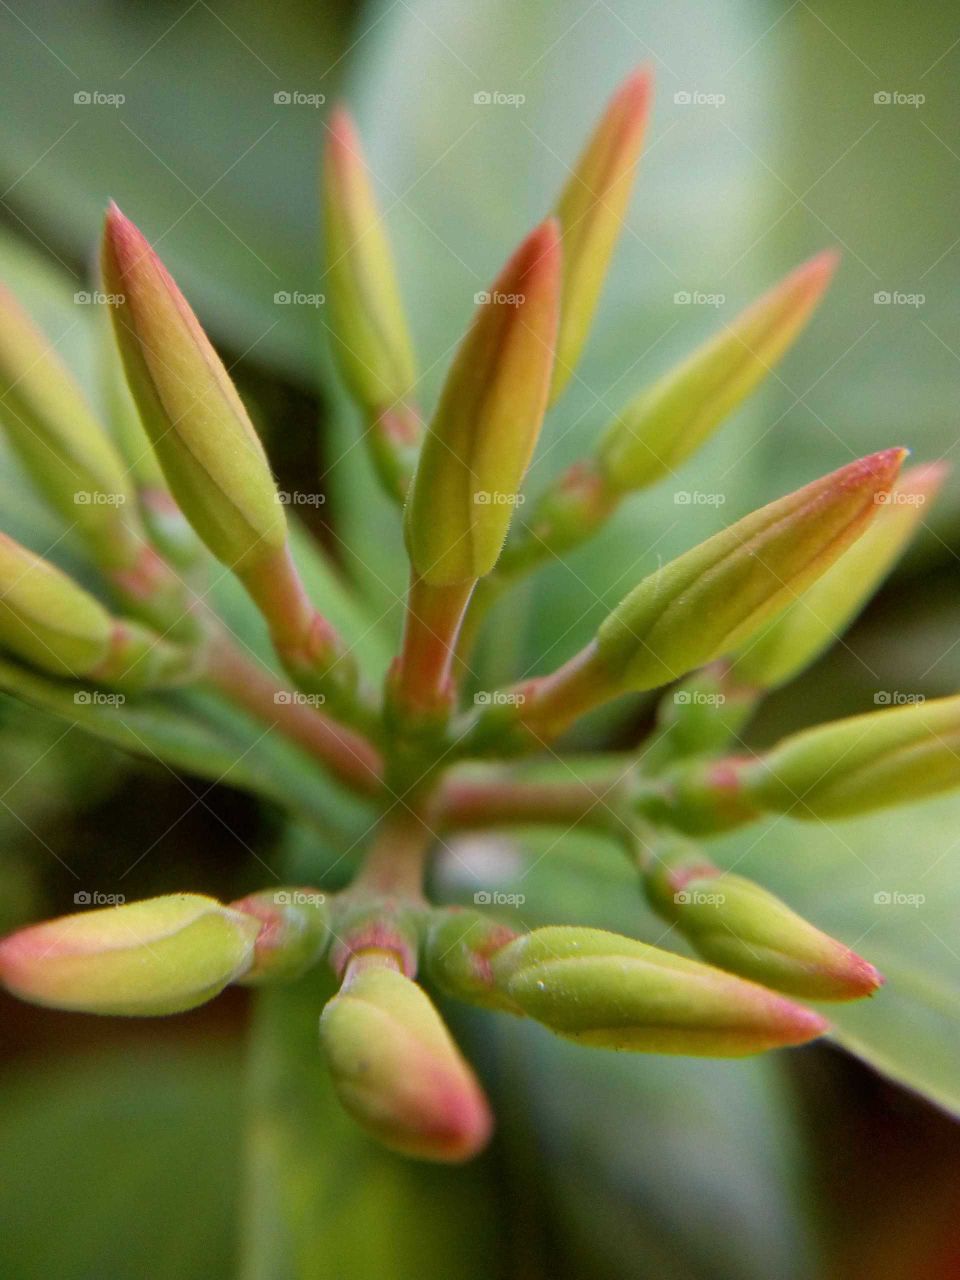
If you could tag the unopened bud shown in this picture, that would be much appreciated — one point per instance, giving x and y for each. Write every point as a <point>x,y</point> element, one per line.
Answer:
<point>397,1070</point>
<point>483,433</point>
<point>742,928</point>
<point>159,956</point>
<point>669,421</point>
<point>602,989</point>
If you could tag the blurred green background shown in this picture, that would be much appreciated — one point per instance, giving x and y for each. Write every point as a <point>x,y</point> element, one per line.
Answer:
<point>806,126</point>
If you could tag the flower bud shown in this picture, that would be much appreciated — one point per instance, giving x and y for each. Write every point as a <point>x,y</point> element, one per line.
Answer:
<point>712,598</point>
<point>740,927</point>
<point>64,448</point>
<point>294,932</point>
<point>670,420</point>
<point>708,601</point>
<point>811,623</point>
<point>602,989</point>
<point>46,618</point>
<point>397,1070</point>
<point>159,956</point>
<point>51,622</point>
<point>591,213</point>
<point>457,954</point>
<point>373,347</point>
<point>483,433</point>
<point>211,455</point>
<point>862,763</point>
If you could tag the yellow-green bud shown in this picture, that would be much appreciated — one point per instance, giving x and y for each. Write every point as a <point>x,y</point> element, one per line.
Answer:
<point>397,1070</point>
<point>602,989</point>
<point>159,956</point>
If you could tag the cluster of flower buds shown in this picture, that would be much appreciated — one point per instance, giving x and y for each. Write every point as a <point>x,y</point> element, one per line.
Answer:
<point>185,474</point>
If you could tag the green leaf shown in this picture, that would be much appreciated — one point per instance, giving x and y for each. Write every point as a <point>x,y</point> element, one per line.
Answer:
<point>70,1130</point>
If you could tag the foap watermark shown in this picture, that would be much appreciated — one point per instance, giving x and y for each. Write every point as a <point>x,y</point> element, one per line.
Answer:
<point>494,498</point>
<point>97,498</point>
<point>894,98</point>
<point>497,98</point>
<point>94,898</point>
<point>295,298</point>
<point>499,698</point>
<point>697,98</point>
<point>497,298</point>
<point>698,898</point>
<point>98,698</point>
<point>297,98</point>
<point>96,298</point>
<point>496,898</point>
<point>97,98</point>
<point>285,498</point>
<point>896,298</point>
<point>896,498</point>
<point>698,298</point>
<point>298,898</point>
<point>296,698</point>
<point>695,498</point>
<point>698,698</point>
<point>897,898</point>
<point>894,698</point>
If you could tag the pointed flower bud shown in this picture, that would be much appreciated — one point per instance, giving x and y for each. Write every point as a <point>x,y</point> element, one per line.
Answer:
<point>591,213</point>
<point>51,622</point>
<point>812,623</point>
<point>371,342</point>
<point>862,763</point>
<point>740,927</point>
<point>602,989</point>
<point>710,600</point>
<point>397,1070</point>
<point>159,956</point>
<point>670,420</point>
<point>211,455</point>
<point>65,449</point>
<point>457,954</point>
<point>294,932</point>
<point>483,433</point>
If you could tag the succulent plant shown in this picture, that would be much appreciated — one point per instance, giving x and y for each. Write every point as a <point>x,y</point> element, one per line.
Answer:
<point>189,484</point>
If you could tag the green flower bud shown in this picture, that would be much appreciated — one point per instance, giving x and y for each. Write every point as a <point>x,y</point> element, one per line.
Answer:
<point>397,1070</point>
<point>483,433</point>
<point>591,212</point>
<point>711,599</point>
<point>811,623</point>
<point>46,618</point>
<point>601,989</point>
<point>66,451</point>
<point>862,763</point>
<point>211,455</point>
<point>294,932</point>
<point>457,955</point>
<point>669,421</point>
<point>371,341</point>
<point>51,622</point>
<point>160,956</point>
<point>740,927</point>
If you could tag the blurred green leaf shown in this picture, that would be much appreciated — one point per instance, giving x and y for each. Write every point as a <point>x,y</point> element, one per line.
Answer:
<point>122,1163</point>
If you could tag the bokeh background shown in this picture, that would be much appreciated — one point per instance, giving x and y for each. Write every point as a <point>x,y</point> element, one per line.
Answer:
<point>779,128</point>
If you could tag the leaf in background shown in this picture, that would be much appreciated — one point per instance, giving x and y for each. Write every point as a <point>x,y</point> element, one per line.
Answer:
<point>121,1164</point>
<point>200,151</point>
